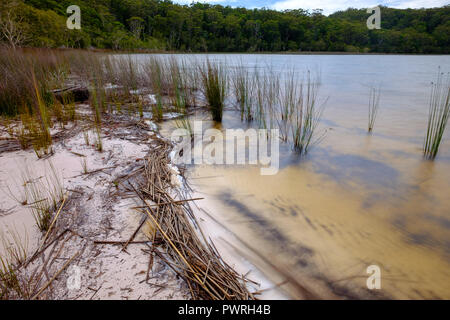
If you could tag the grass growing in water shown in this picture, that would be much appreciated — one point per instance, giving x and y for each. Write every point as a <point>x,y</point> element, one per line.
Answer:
<point>305,116</point>
<point>438,115</point>
<point>374,103</point>
<point>214,86</point>
<point>242,87</point>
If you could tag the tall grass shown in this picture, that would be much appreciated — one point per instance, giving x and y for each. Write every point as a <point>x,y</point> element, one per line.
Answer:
<point>14,249</point>
<point>242,88</point>
<point>374,104</point>
<point>42,140</point>
<point>11,286</point>
<point>154,69</point>
<point>439,113</point>
<point>306,115</point>
<point>21,70</point>
<point>214,88</point>
<point>42,194</point>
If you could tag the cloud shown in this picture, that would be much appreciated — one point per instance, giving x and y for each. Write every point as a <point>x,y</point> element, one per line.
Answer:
<point>328,6</point>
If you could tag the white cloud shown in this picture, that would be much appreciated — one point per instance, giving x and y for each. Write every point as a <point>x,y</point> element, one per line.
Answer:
<point>330,6</point>
<point>403,4</point>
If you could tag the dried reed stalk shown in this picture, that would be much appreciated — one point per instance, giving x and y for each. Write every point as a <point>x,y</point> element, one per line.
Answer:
<point>190,255</point>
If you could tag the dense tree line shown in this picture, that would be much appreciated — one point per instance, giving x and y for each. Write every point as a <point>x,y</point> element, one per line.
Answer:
<point>163,25</point>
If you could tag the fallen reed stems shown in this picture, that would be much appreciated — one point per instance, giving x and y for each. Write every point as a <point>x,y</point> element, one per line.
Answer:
<point>193,258</point>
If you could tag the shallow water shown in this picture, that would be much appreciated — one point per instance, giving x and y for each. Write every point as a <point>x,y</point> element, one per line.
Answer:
<point>356,199</point>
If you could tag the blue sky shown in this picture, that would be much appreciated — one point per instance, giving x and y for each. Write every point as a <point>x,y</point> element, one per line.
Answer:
<point>329,6</point>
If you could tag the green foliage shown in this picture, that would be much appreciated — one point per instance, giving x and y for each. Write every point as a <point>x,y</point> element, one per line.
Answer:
<point>163,25</point>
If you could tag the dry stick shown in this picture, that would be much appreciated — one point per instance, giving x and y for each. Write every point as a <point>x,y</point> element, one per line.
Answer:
<point>93,171</point>
<point>38,278</point>
<point>95,292</point>
<point>170,202</point>
<point>56,275</point>
<point>37,253</point>
<point>134,234</point>
<point>120,242</point>
<point>53,222</point>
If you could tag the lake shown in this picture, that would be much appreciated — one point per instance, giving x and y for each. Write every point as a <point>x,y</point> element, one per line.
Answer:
<point>355,199</point>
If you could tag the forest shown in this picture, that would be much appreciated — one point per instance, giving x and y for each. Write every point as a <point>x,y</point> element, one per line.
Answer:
<point>161,25</point>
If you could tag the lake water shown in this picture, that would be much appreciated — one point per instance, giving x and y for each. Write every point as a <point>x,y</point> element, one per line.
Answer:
<point>356,199</point>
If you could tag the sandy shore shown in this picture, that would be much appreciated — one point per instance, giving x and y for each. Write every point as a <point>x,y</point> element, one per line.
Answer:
<point>95,211</point>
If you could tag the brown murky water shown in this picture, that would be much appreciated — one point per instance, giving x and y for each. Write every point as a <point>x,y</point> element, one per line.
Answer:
<point>356,199</point>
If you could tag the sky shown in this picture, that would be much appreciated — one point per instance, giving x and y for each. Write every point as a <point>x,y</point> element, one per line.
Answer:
<point>328,6</point>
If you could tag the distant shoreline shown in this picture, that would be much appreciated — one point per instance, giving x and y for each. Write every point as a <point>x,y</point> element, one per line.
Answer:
<point>300,53</point>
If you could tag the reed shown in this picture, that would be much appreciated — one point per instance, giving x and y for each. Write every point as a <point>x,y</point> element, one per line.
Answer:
<point>154,69</point>
<point>98,140</point>
<point>374,103</point>
<point>439,112</point>
<point>17,69</point>
<point>272,94</point>
<point>214,88</point>
<point>42,139</point>
<point>192,81</point>
<point>305,115</point>
<point>84,166</point>
<point>13,246</point>
<point>42,194</point>
<point>178,90</point>
<point>185,123</point>
<point>14,249</point>
<point>242,89</point>
<point>260,98</point>
<point>10,285</point>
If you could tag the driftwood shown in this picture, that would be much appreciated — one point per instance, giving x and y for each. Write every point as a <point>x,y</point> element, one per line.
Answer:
<point>9,146</point>
<point>76,93</point>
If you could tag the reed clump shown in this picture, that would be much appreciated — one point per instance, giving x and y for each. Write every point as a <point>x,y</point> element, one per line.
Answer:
<point>21,71</point>
<point>214,88</point>
<point>306,115</point>
<point>439,113</point>
<point>11,286</point>
<point>154,69</point>
<point>243,91</point>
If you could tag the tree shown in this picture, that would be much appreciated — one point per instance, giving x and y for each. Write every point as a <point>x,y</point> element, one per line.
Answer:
<point>12,27</point>
<point>116,37</point>
<point>136,26</point>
